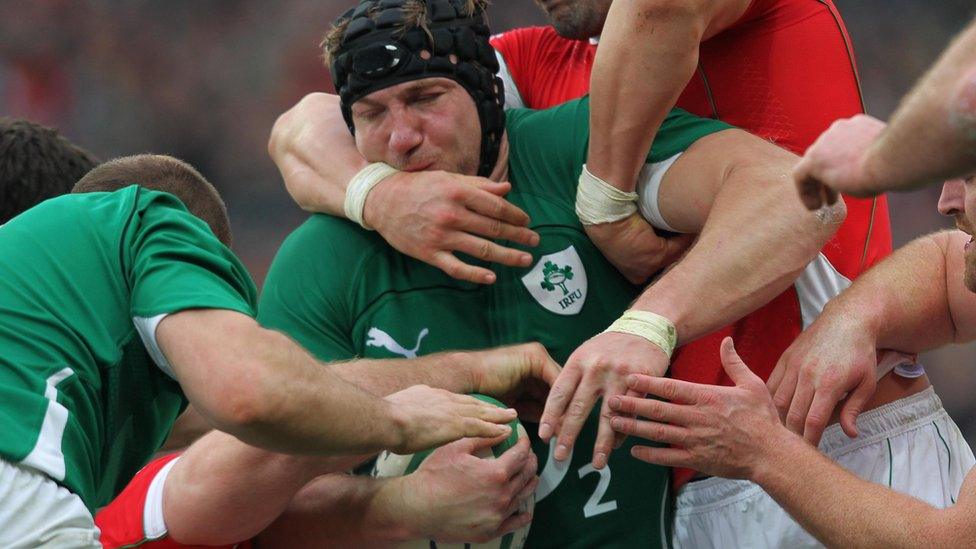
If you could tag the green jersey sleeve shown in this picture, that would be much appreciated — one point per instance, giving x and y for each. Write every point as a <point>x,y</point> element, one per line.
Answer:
<point>173,262</point>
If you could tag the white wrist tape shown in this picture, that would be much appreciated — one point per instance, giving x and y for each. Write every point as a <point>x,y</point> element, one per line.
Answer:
<point>599,202</point>
<point>359,187</point>
<point>650,326</point>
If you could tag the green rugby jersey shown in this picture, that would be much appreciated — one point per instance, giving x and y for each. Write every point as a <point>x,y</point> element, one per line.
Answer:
<point>343,292</point>
<point>80,398</point>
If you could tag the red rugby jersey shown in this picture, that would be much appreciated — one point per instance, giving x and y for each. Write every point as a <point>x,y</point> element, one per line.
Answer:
<point>784,71</point>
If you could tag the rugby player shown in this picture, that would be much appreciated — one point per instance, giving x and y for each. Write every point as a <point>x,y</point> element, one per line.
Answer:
<point>382,304</point>
<point>931,137</point>
<point>112,298</point>
<point>423,107</point>
<point>36,163</point>
<point>753,71</point>
<point>918,299</point>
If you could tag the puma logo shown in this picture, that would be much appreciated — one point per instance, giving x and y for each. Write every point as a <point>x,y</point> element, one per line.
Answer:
<point>379,338</point>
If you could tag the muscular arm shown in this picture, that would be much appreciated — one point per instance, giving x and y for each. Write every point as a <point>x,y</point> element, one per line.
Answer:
<point>315,153</point>
<point>822,497</point>
<point>914,300</point>
<point>428,215</point>
<point>261,387</point>
<point>937,120</point>
<point>756,237</point>
<point>222,491</point>
<point>931,137</point>
<point>735,432</point>
<point>648,52</point>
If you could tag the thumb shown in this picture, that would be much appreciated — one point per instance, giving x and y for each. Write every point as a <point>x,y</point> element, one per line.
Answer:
<point>475,444</point>
<point>734,367</point>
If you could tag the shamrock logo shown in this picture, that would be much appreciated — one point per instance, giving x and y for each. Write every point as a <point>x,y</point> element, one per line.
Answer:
<point>553,275</point>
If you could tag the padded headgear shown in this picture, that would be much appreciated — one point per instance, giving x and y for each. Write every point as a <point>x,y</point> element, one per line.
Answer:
<point>378,50</point>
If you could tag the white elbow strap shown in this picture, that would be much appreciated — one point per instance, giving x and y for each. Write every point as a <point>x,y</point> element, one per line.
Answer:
<point>599,202</point>
<point>650,326</point>
<point>359,188</point>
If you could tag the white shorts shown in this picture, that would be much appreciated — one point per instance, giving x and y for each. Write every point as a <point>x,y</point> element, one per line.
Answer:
<point>37,512</point>
<point>910,445</point>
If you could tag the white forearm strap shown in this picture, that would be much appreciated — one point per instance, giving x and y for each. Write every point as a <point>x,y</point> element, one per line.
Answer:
<point>359,187</point>
<point>599,202</point>
<point>650,326</point>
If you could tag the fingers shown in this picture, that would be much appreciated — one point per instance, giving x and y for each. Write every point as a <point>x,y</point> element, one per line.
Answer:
<point>650,430</point>
<point>734,366</point>
<point>670,457</point>
<point>484,429</point>
<point>821,409</point>
<point>497,229</point>
<point>487,250</point>
<point>669,389</point>
<point>783,396</point>
<point>809,189</point>
<point>576,414</point>
<point>516,459</point>
<point>797,414</point>
<point>549,370</point>
<point>559,395</point>
<point>605,435</point>
<point>855,405</point>
<point>495,207</point>
<point>459,270</point>
<point>513,523</point>
<point>657,410</point>
<point>776,377</point>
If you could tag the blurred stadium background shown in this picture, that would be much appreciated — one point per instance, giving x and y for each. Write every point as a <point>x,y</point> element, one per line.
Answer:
<point>205,80</point>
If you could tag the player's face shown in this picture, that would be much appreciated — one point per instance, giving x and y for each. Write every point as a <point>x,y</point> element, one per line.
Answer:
<point>959,200</point>
<point>576,19</point>
<point>427,124</point>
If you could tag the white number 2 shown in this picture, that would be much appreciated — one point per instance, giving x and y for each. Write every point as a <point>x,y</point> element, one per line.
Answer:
<point>593,505</point>
<point>555,471</point>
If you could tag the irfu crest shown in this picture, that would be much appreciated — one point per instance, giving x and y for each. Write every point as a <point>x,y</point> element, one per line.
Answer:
<point>562,270</point>
<point>553,275</point>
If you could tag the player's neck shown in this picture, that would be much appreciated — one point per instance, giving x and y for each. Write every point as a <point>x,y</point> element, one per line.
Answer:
<point>500,172</point>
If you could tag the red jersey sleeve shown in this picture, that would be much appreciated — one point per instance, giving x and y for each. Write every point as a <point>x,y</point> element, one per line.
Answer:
<point>135,516</point>
<point>546,68</point>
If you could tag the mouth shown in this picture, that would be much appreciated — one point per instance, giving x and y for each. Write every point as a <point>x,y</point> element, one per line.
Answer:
<point>417,167</point>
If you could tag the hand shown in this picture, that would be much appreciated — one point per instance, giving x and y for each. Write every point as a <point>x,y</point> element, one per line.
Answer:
<point>722,431</point>
<point>632,246</point>
<point>597,368</point>
<point>425,418</point>
<point>835,163</point>
<point>455,496</point>
<point>518,375</point>
<point>431,215</point>
<point>832,358</point>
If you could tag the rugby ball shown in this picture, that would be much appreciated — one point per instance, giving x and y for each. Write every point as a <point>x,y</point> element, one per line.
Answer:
<point>389,464</point>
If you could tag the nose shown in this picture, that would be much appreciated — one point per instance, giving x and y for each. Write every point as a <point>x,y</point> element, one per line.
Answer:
<point>952,201</point>
<point>406,133</point>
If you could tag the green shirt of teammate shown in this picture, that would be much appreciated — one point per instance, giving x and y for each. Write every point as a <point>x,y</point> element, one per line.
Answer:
<point>80,398</point>
<point>342,292</point>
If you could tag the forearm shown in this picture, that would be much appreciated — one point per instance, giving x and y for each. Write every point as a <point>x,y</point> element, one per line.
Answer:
<point>755,239</point>
<point>451,371</point>
<point>648,52</point>
<point>342,511</point>
<point>823,498</point>
<point>315,153</point>
<point>261,387</point>
<point>222,491</point>
<point>937,120</point>
<point>915,299</point>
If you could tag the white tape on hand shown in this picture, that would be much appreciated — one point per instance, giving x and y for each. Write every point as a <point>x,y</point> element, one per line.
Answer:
<point>599,202</point>
<point>359,187</point>
<point>650,326</point>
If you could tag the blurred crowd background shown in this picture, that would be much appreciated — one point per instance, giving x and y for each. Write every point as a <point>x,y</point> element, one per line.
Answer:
<point>205,80</point>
